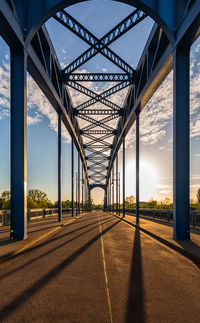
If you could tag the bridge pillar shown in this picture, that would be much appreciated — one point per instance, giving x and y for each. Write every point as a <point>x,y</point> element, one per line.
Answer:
<point>117,185</point>
<point>181,150</point>
<point>137,167</point>
<point>78,184</point>
<point>72,174</point>
<point>18,144</point>
<point>59,168</point>
<point>113,188</point>
<point>123,169</point>
<point>82,187</point>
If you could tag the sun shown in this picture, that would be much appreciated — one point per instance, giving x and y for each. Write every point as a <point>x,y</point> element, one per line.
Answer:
<point>148,179</point>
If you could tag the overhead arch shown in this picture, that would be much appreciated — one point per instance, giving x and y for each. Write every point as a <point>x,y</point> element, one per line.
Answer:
<point>168,14</point>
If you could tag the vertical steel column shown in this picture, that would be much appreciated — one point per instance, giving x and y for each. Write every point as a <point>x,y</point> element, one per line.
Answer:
<point>110,194</point>
<point>117,185</point>
<point>59,168</point>
<point>79,191</point>
<point>18,144</point>
<point>76,194</point>
<point>137,167</point>
<point>72,170</point>
<point>181,144</point>
<point>82,185</point>
<point>123,165</point>
<point>119,195</point>
<point>113,189</point>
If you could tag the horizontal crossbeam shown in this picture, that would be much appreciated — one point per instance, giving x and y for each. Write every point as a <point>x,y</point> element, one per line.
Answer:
<point>97,132</point>
<point>98,77</point>
<point>98,112</point>
<point>97,146</point>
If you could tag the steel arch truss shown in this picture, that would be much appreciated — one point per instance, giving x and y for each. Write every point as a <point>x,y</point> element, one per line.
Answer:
<point>98,130</point>
<point>20,26</point>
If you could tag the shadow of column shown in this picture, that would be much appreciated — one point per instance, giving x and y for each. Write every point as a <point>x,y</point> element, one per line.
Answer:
<point>135,311</point>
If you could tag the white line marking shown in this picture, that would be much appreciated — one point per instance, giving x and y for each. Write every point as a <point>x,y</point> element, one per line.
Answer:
<point>105,273</point>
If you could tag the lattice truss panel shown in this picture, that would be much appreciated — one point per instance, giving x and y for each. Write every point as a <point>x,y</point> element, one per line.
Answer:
<point>98,112</point>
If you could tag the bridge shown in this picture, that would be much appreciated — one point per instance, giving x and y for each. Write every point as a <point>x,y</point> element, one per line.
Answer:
<point>99,266</point>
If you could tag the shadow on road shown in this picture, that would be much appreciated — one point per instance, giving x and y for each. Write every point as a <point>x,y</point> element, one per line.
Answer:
<point>135,311</point>
<point>38,285</point>
<point>46,253</point>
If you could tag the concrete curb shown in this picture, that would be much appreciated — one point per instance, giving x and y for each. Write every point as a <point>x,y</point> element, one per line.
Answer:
<point>14,253</point>
<point>195,259</point>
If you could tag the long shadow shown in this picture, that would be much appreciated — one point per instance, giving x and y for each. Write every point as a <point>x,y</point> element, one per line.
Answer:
<point>37,286</point>
<point>195,259</point>
<point>195,230</point>
<point>50,240</point>
<point>47,252</point>
<point>135,311</point>
<point>4,231</point>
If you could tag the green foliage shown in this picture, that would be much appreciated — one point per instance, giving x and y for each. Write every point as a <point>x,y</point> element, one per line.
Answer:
<point>198,195</point>
<point>130,202</point>
<point>5,200</point>
<point>37,199</point>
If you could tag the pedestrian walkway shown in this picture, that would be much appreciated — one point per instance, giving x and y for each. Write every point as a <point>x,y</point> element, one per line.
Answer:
<point>37,229</point>
<point>163,232</point>
<point>99,268</point>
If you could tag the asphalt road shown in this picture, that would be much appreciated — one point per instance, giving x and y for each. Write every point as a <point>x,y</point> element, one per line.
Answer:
<point>99,269</point>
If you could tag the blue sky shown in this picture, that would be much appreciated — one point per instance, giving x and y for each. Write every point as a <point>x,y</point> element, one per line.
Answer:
<point>156,119</point>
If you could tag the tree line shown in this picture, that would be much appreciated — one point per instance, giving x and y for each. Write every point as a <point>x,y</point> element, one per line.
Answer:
<point>35,199</point>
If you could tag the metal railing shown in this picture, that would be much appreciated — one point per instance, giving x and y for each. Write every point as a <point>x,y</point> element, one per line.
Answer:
<point>32,214</point>
<point>165,215</point>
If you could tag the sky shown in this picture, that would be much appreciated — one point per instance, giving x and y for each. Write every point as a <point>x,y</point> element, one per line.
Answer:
<point>156,134</point>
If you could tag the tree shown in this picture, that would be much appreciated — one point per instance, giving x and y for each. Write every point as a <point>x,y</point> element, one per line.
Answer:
<point>130,200</point>
<point>198,195</point>
<point>37,198</point>
<point>5,200</point>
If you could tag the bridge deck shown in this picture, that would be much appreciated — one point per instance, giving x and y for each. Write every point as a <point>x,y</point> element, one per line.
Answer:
<point>99,269</point>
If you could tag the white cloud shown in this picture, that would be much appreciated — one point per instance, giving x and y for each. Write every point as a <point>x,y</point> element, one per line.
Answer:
<point>154,119</point>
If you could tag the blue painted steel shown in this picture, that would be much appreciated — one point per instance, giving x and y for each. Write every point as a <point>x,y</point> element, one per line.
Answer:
<point>18,144</point>
<point>72,174</point>
<point>123,169</point>
<point>117,185</point>
<point>113,188</point>
<point>82,186</point>
<point>137,167</point>
<point>98,77</point>
<point>59,169</point>
<point>20,21</point>
<point>181,147</point>
<point>78,184</point>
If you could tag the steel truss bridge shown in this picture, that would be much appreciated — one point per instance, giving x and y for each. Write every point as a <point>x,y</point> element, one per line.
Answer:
<point>177,26</point>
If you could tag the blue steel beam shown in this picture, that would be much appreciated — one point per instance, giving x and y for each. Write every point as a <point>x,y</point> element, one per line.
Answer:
<point>92,94</point>
<point>98,77</point>
<point>137,167</point>
<point>104,95</point>
<point>99,45</point>
<point>18,144</point>
<point>59,169</point>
